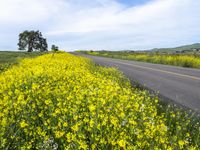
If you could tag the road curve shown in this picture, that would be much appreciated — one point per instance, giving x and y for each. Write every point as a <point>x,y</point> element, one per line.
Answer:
<point>178,84</point>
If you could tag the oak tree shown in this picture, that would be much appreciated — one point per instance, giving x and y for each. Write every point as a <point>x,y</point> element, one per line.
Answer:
<point>32,40</point>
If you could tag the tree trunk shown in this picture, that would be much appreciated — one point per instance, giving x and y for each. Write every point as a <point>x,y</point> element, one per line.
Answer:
<point>30,49</point>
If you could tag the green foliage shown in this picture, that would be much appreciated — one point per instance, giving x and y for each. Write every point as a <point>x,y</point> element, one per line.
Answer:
<point>54,48</point>
<point>4,67</point>
<point>32,40</point>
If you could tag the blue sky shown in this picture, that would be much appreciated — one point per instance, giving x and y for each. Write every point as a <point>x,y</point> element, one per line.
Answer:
<point>102,24</point>
<point>131,3</point>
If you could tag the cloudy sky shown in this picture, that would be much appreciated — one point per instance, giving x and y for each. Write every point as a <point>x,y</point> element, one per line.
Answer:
<point>102,24</point>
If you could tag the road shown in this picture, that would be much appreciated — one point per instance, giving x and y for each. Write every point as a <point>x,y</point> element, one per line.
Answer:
<point>177,84</point>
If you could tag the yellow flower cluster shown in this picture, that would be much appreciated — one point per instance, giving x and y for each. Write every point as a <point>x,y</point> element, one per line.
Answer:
<point>175,60</point>
<point>60,101</point>
<point>184,60</point>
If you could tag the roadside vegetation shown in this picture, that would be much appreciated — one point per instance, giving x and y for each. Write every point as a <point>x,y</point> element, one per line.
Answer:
<point>61,101</point>
<point>183,60</point>
<point>7,59</point>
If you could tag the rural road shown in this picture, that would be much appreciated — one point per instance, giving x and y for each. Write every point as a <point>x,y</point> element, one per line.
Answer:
<point>177,84</point>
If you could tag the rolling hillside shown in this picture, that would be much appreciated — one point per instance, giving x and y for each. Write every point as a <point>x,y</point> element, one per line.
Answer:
<point>185,48</point>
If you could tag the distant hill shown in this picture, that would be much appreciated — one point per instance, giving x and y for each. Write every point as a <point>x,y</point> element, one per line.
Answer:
<point>192,47</point>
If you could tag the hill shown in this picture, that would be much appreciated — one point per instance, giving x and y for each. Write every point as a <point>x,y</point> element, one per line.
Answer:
<point>185,48</point>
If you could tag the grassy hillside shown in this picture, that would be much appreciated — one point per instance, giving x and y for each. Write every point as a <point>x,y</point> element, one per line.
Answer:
<point>185,49</point>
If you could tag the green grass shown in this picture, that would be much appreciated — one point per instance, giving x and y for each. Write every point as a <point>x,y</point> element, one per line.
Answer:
<point>9,58</point>
<point>14,57</point>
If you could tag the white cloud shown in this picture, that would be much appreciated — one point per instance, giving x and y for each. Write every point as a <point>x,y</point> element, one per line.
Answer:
<point>103,24</point>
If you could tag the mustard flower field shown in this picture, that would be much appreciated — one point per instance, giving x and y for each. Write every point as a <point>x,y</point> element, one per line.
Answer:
<point>183,60</point>
<point>61,101</point>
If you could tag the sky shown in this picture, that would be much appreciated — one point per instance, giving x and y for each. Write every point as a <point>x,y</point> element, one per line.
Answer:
<point>102,24</point>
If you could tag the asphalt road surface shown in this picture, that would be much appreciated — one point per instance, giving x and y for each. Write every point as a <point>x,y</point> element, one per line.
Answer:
<point>178,84</point>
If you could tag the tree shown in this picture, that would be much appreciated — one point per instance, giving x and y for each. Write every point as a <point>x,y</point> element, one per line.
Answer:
<point>54,48</point>
<point>32,40</point>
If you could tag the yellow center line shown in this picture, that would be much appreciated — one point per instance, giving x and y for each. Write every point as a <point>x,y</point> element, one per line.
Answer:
<point>159,70</point>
